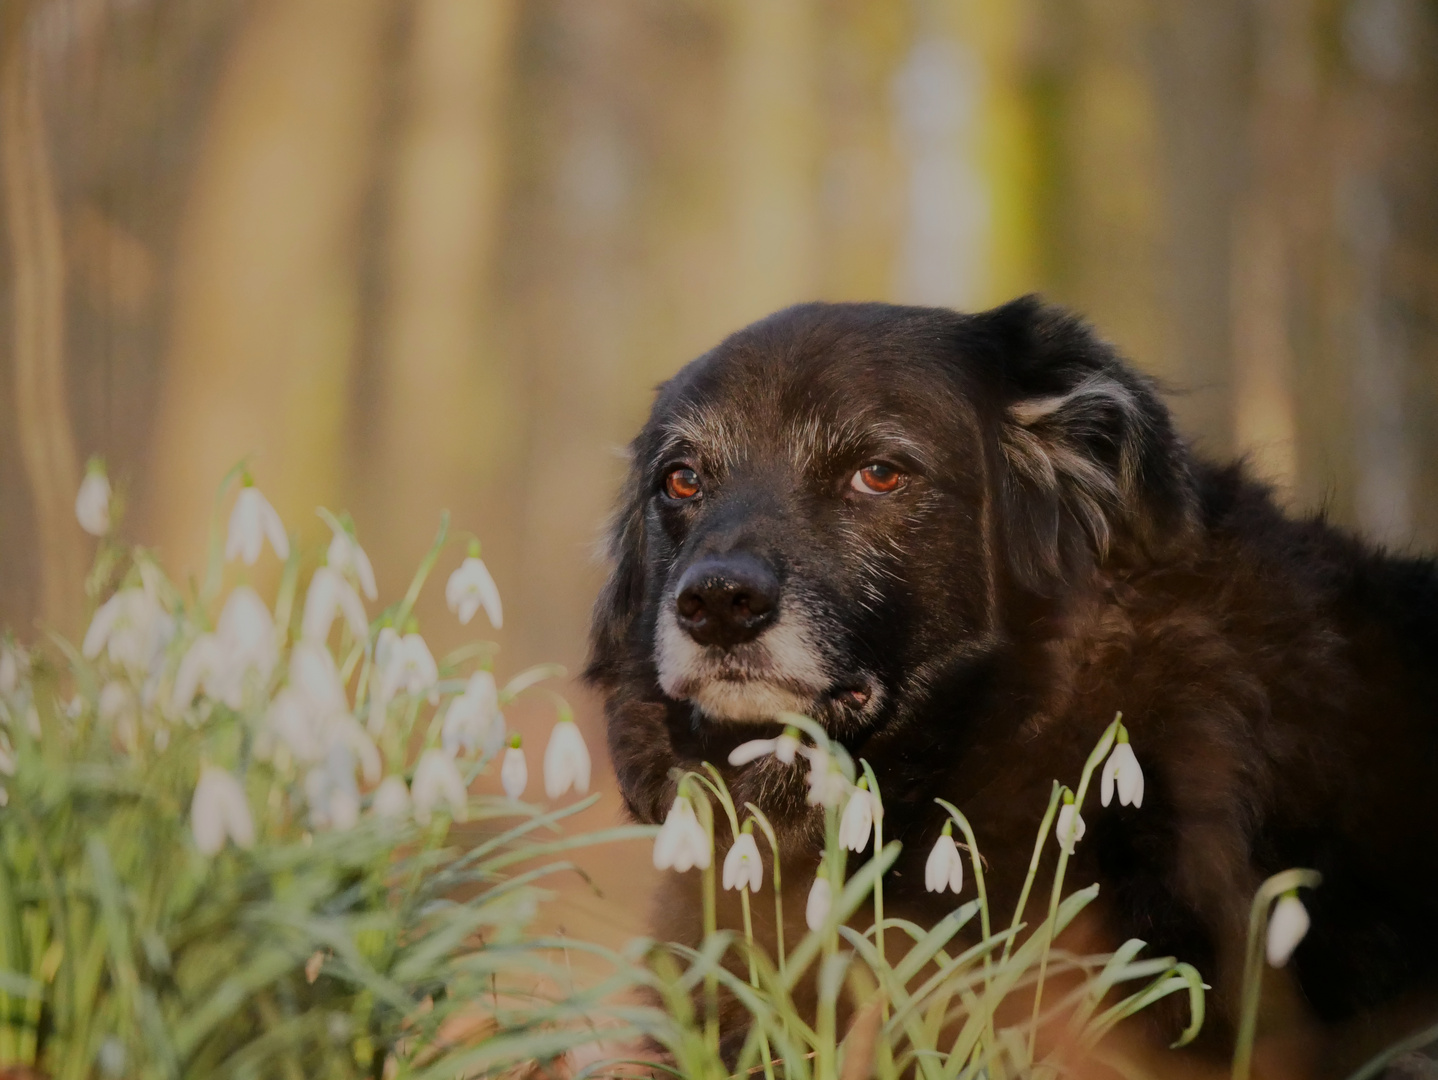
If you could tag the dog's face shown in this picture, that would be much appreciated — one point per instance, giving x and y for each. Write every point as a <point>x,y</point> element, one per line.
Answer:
<point>826,513</point>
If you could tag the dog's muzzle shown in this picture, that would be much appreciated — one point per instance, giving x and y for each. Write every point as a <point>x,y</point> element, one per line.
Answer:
<point>726,642</point>
<point>726,600</point>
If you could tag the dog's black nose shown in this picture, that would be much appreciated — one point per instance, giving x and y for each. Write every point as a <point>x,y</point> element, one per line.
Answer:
<point>726,600</point>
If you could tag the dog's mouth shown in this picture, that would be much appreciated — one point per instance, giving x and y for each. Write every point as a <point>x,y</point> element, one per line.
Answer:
<point>733,696</point>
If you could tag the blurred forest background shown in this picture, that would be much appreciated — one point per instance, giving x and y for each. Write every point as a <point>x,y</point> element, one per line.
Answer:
<point>417,254</point>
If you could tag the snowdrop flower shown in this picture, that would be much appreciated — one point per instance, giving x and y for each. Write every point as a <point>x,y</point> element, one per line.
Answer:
<point>470,717</point>
<point>743,868</point>
<point>407,665</point>
<point>291,718</point>
<point>391,798</point>
<point>1287,926</point>
<point>115,699</point>
<point>346,557</point>
<point>328,595</point>
<point>821,899</point>
<point>682,842</point>
<point>243,641</point>
<point>945,868</point>
<point>252,522</point>
<point>132,628</point>
<point>313,674</point>
<point>470,588</point>
<point>514,770</point>
<point>1122,770</point>
<point>219,811</point>
<point>785,748</point>
<point>827,785</point>
<point>860,813</point>
<point>566,761</point>
<point>1069,828</point>
<point>436,780</point>
<point>92,504</point>
<point>13,660</point>
<point>331,791</point>
<point>247,627</point>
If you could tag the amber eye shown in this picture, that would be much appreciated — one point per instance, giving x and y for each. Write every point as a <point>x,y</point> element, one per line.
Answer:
<point>877,479</point>
<point>682,484</point>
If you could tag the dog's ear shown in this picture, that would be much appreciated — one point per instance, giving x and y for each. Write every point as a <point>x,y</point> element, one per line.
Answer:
<point>1089,458</point>
<point>622,597</point>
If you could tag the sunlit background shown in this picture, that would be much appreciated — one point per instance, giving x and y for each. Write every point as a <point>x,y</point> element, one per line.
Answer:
<point>422,254</point>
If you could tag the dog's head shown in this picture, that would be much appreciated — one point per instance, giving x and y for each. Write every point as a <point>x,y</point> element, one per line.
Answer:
<point>835,507</point>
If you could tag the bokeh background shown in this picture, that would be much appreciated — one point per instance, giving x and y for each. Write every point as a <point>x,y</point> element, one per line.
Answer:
<point>425,254</point>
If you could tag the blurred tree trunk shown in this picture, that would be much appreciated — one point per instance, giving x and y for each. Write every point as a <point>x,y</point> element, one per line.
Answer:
<point>441,422</point>
<point>39,408</point>
<point>775,132</point>
<point>265,297</point>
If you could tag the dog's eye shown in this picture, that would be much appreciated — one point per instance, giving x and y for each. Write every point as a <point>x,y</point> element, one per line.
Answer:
<point>877,479</point>
<point>681,484</point>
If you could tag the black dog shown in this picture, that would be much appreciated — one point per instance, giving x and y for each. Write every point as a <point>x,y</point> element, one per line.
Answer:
<point>962,543</point>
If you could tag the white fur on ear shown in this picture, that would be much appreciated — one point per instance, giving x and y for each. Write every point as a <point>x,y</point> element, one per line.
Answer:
<point>1051,441</point>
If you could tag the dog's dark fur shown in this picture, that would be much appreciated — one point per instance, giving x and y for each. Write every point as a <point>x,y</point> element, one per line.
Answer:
<point>1058,554</point>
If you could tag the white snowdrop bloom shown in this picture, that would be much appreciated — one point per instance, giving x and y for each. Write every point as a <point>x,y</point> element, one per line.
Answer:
<point>1069,828</point>
<point>92,503</point>
<point>514,770</point>
<point>331,791</point>
<point>391,798</point>
<point>860,813</point>
<point>252,522</point>
<point>407,666</point>
<point>292,719</point>
<point>247,627</point>
<point>470,588</point>
<point>681,842</point>
<point>386,645</point>
<point>784,748</point>
<point>945,868</point>
<point>471,716</point>
<point>436,780</point>
<point>827,785</point>
<point>328,595</point>
<point>7,757</point>
<point>13,661</point>
<point>313,674</point>
<point>115,700</point>
<point>132,629</point>
<point>243,642</point>
<point>1123,772</point>
<point>219,811</point>
<point>1287,926</point>
<point>348,558</point>
<point>566,761</point>
<point>821,899</point>
<point>202,664</point>
<point>743,868</point>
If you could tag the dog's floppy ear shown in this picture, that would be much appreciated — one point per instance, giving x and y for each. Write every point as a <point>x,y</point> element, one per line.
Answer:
<point>1090,461</point>
<point>622,597</point>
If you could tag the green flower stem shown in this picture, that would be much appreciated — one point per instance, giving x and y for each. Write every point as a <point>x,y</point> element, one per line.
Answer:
<point>1044,827</point>
<point>768,831</point>
<point>426,565</point>
<point>1095,758</point>
<point>215,563</point>
<point>825,1025</point>
<point>285,598</point>
<point>754,980</point>
<point>978,863</point>
<point>711,927</point>
<point>11,958</point>
<point>1258,913</point>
